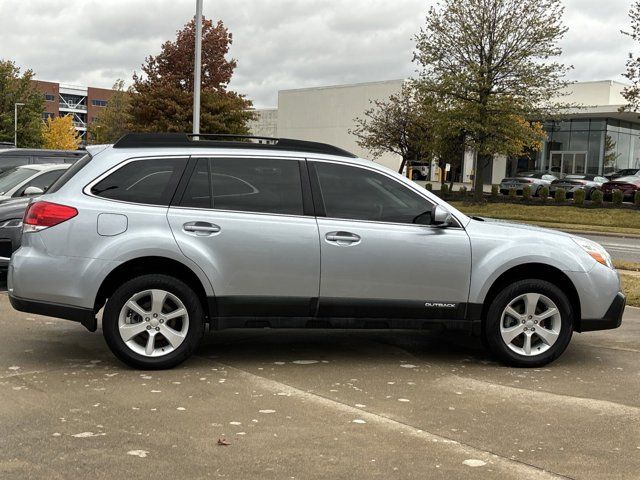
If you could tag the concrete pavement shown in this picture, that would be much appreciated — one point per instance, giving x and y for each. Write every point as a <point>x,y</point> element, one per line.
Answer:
<point>316,404</point>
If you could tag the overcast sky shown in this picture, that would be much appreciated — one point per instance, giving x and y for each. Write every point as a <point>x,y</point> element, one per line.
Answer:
<point>279,44</point>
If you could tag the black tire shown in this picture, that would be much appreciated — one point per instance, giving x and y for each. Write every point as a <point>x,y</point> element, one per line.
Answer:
<point>589,194</point>
<point>183,292</point>
<point>493,337</point>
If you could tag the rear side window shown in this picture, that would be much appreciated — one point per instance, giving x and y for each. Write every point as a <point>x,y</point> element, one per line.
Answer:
<point>247,185</point>
<point>149,181</point>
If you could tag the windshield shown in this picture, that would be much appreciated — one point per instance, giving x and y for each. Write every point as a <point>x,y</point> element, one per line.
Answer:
<point>14,177</point>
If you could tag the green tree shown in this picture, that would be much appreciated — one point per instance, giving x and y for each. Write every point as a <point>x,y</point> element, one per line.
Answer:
<point>632,93</point>
<point>493,63</point>
<point>17,88</point>
<point>60,134</point>
<point>163,95</point>
<point>401,124</point>
<point>112,122</point>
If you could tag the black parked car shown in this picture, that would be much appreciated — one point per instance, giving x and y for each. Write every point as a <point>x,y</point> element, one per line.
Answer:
<point>573,183</point>
<point>11,213</point>
<point>14,157</point>
<point>627,172</point>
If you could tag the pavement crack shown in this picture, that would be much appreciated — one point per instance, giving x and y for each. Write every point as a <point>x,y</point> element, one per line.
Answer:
<point>521,468</point>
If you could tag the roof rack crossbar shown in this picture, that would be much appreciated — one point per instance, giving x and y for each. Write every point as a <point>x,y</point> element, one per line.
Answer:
<point>221,140</point>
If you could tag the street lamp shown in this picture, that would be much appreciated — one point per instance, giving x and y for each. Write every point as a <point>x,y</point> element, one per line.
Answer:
<point>15,123</point>
<point>197,71</point>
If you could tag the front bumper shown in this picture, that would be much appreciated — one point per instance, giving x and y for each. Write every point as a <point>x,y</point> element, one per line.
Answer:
<point>611,319</point>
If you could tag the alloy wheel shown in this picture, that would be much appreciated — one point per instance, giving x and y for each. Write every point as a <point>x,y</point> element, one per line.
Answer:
<point>530,324</point>
<point>153,323</point>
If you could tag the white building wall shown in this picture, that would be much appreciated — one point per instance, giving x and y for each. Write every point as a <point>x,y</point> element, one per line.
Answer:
<point>326,114</point>
<point>265,124</point>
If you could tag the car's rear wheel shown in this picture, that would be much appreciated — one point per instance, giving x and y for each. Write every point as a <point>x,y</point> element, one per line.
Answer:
<point>153,322</point>
<point>529,323</point>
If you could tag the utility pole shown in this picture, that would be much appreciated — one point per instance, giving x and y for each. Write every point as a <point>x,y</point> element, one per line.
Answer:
<point>197,73</point>
<point>15,123</point>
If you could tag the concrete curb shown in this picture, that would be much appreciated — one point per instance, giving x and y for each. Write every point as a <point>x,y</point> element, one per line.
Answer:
<point>600,234</point>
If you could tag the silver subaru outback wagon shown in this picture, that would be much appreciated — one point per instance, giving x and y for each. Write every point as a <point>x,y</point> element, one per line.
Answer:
<point>167,233</point>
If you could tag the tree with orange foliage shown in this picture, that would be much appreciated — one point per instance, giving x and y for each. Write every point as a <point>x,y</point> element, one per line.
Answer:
<point>60,134</point>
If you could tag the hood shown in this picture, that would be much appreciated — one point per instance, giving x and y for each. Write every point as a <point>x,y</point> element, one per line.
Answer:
<point>510,224</point>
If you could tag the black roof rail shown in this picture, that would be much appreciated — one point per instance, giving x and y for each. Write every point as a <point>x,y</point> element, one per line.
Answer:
<point>208,140</point>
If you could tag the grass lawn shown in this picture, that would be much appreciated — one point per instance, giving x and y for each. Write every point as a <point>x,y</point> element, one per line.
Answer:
<point>630,266</point>
<point>631,288</point>
<point>567,218</point>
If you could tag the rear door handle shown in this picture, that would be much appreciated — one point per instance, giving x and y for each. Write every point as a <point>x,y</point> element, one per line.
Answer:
<point>201,228</point>
<point>342,238</point>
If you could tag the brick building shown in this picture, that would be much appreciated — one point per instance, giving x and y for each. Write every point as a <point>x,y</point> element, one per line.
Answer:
<point>82,103</point>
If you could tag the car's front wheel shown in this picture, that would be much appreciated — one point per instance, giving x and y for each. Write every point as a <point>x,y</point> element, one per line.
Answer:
<point>153,322</point>
<point>529,323</point>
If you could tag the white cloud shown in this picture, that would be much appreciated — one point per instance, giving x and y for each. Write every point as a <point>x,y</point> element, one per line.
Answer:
<point>279,44</point>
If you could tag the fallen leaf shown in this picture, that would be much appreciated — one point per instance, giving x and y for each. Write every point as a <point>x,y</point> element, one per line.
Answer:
<point>223,441</point>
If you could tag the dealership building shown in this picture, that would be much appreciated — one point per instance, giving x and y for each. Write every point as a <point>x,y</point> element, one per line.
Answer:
<point>82,103</point>
<point>593,138</point>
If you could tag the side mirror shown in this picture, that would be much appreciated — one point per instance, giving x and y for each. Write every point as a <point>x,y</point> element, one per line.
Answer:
<point>441,217</point>
<point>32,191</point>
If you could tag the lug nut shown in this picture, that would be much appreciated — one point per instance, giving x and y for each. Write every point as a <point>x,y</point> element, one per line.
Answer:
<point>523,322</point>
<point>530,317</point>
<point>146,319</point>
<point>148,327</point>
<point>525,329</point>
<point>533,329</point>
<point>157,329</point>
<point>162,320</point>
<point>535,321</point>
<point>155,315</point>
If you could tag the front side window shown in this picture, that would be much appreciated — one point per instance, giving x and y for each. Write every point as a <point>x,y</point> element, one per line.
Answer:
<point>246,185</point>
<point>359,194</point>
<point>14,177</point>
<point>150,181</point>
<point>43,182</point>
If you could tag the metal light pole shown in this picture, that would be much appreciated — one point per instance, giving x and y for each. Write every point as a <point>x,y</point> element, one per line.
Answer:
<point>197,72</point>
<point>15,123</point>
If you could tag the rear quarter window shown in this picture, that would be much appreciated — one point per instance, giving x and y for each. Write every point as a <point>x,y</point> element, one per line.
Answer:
<point>145,181</point>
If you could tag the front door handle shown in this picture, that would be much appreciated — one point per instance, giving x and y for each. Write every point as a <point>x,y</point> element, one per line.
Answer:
<point>342,238</point>
<point>201,228</point>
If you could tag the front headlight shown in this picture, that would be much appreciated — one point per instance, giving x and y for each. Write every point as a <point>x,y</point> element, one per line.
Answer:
<point>595,250</point>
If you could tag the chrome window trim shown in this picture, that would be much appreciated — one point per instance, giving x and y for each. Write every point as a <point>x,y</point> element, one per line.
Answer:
<point>87,188</point>
<point>386,174</point>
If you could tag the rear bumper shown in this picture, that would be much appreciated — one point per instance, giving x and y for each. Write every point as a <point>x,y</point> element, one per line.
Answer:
<point>85,316</point>
<point>611,319</point>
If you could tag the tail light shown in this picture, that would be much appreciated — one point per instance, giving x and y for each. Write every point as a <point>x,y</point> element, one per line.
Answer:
<point>41,215</point>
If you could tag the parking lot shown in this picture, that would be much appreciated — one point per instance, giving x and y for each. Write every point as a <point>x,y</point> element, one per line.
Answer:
<point>315,404</point>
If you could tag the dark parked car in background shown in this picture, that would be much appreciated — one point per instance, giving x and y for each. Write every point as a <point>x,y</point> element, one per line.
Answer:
<point>11,213</point>
<point>627,185</point>
<point>573,183</point>
<point>536,180</point>
<point>627,172</point>
<point>14,157</point>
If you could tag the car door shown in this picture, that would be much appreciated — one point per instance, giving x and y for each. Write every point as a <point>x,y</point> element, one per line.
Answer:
<point>377,259</point>
<point>247,223</point>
